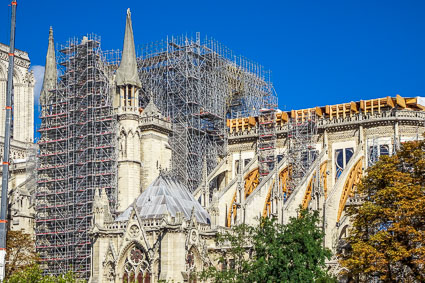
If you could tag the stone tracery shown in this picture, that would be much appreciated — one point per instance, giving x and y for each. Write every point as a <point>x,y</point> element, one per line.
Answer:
<point>136,266</point>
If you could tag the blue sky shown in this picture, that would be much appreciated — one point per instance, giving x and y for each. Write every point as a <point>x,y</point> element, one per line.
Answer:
<point>319,52</point>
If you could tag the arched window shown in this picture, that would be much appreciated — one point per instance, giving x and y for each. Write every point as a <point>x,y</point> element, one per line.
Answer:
<point>191,263</point>
<point>136,267</point>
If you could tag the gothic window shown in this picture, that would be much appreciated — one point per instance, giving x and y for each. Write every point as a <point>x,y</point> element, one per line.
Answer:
<point>279,157</point>
<point>191,266</point>
<point>190,259</point>
<point>237,166</point>
<point>129,97</point>
<point>376,151</point>
<point>246,161</point>
<point>384,149</point>
<point>342,157</point>
<point>136,268</point>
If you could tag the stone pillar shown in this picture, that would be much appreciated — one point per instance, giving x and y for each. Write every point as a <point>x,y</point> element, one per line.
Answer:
<point>172,256</point>
<point>129,163</point>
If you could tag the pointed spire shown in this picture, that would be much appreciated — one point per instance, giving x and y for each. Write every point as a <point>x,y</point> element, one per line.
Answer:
<point>152,110</point>
<point>50,73</point>
<point>127,72</point>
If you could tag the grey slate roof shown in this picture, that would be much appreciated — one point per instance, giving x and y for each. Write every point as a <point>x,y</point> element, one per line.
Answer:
<point>166,195</point>
<point>127,71</point>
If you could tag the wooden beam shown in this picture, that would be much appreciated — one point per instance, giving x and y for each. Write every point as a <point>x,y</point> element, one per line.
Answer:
<point>363,105</point>
<point>400,101</point>
<point>285,117</point>
<point>328,109</point>
<point>411,100</point>
<point>390,102</point>
<point>353,107</point>
<point>319,111</point>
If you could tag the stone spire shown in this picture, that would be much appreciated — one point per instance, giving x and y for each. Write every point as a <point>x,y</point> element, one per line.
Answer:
<point>127,72</point>
<point>152,110</point>
<point>50,73</point>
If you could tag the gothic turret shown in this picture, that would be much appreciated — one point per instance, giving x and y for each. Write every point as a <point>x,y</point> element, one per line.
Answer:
<point>50,73</point>
<point>127,105</point>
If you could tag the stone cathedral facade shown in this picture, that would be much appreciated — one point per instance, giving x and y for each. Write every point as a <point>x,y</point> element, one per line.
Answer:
<point>164,232</point>
<point>159,229</point>
<point>22,153</point>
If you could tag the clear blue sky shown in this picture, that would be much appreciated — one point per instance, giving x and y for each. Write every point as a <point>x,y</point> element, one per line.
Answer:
<point>319,52</point>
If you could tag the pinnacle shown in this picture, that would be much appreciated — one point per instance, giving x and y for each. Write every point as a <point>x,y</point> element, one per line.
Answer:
<point>127,72</point>
<point>50,72</point>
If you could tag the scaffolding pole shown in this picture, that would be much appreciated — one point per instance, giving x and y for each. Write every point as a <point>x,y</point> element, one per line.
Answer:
<point>6,150</point>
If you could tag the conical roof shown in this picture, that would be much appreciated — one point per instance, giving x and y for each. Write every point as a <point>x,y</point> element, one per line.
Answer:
<point>50,73</point>
<point>151,110</point>
<point>127,71</point>
<point>166,196</point>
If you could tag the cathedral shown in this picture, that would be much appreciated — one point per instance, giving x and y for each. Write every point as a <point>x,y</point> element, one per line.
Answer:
<point>23,151</point>
<point>128,190</point>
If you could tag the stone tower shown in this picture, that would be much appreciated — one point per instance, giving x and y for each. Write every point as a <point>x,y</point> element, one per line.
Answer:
<point>155,150</point>
<point>127,104</point>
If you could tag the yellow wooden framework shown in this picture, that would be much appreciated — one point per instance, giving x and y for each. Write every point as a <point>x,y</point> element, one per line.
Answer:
<point>241,124</point>
<point>251,181</point>
<point>307,195</point>
<point>283,178</point>
<point>352,181</point>
<point>342,110</point>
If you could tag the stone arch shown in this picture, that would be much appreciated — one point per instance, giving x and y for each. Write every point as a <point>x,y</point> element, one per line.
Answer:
<point>134,263</point>
<point>109,273</point>
<point>130,133</point>
<point>193,262</point>
<point>18,77</point>
<point>343,232</point>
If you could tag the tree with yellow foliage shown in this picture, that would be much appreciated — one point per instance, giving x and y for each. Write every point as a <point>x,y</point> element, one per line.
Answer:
<point>387,241</point>
<point>20,252</point>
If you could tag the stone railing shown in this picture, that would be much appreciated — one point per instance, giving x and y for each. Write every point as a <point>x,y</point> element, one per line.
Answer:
<point>392,115</point>
<point>116,225</point>
<point>155,121</point>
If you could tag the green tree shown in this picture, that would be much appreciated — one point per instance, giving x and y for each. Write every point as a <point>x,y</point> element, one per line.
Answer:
<point>387,241</point>
<point>272,252</point>
<point>34,274</point>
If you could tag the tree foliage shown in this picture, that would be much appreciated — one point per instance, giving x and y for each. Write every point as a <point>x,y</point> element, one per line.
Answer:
<point>34,274</point>
<point>21,262</point>
<point>20,252</point>
<point>272,252</point>
<point>387,241</point>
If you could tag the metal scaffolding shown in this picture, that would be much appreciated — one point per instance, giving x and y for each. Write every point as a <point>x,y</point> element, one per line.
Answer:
<point>301,151</point>
<point>76,157</point>
<point>198,85</point>
<point>266,146</point>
